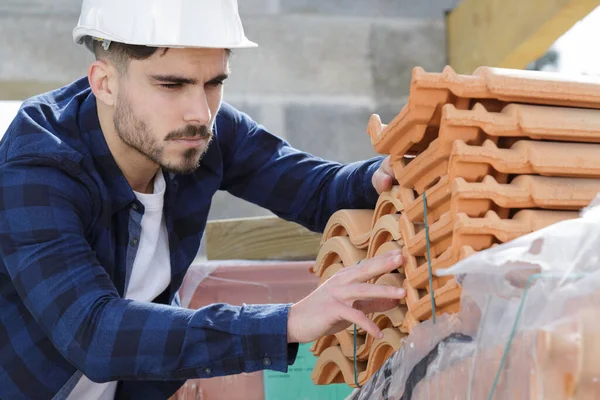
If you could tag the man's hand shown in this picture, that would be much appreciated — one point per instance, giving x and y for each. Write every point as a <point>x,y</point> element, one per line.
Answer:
<point>344,299</point>
<point>383,178</point>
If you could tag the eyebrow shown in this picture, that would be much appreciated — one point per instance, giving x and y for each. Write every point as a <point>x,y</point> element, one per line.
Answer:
<point>174,79</point>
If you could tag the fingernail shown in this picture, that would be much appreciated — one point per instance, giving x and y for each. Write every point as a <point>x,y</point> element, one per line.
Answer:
<point>402,292</point>
<point>380,335</point>
<point>398,259</point>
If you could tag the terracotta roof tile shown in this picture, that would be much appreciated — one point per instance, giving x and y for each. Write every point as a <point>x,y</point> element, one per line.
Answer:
<point>417,124</point>
<point>388,203</point>
<point>356,224</point>
<point>335,250</point>
<point>333,367</point>
<point>500,154</point>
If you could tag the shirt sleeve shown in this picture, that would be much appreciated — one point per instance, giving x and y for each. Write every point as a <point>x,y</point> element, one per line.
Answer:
<point>297,186</point>
<point>44,212</point>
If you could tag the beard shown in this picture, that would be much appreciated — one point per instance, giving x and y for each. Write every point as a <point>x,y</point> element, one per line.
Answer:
<point>136,134</point>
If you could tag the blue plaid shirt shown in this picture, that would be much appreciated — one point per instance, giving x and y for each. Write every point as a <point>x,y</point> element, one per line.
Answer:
<point>69,224</point>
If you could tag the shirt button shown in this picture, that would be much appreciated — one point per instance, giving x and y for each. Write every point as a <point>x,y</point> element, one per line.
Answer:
<point>266,362</point>
<point>134,242</point>
<point>207,371</point>
<point>135,207</point>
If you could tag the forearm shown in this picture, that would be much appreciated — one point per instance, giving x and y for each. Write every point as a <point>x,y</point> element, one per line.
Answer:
<point>145,341</point>
<point>349,187</point>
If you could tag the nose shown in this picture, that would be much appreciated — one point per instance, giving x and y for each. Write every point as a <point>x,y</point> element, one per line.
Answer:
<point>197,108</point>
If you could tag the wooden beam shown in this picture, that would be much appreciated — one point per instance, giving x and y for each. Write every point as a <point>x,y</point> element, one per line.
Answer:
<point>261,238</point>
<point>508,33</point>
<point>22,90</point>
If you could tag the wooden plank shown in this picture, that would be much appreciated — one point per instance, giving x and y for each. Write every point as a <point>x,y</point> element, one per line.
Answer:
<point>261,238</point>
<point>22,90</point>
<point>508,33</point>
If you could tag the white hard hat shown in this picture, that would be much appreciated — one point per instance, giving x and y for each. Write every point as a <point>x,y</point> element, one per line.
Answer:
<point>163,23</point>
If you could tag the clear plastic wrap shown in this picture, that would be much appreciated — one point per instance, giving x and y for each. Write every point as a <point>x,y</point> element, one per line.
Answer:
<point>529,326</point>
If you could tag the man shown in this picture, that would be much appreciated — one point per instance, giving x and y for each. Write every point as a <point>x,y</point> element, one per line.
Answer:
<point>105,187</point>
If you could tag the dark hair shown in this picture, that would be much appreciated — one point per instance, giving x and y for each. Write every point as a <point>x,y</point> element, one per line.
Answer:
<point>121,54</point>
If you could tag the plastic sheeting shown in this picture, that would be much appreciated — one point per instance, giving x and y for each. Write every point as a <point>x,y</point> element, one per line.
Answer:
<point>529,326</point>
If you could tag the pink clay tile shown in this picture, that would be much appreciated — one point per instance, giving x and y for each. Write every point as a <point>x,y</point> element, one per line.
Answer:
<point>386,229</point>
<point>330,271</point>
<point>323,343</point>
<point>381,350</point>
<point>356,224</point>
<point>338,249</point>
<point>333,367</point>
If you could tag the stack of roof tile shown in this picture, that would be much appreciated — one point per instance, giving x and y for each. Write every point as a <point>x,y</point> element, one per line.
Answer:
<point>498,154</point>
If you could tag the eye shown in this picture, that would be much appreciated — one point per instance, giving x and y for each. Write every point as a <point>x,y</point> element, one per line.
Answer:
<point>171,85</point>
<point>215,84</point>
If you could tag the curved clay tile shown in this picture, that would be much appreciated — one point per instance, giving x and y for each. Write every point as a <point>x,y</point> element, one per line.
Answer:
<point>363,344</point>
<point>526,157</point>
<point>447,300</point>
<point>335,250</point>
<point>440,235</point>
<point>425,170</point>
<point>356,224</point>
<point>330,271</point>
<point>323,343</point>
<point>409,323</point>
<point>390,318</point>
<point>481,233</point>
<point>520,121</point>
<point>333,367</point>
<point>386,229</point>
<point>375,126</point>
<point>388,247</point>
<point>408,132</point>
<point>438,202</point>
<point>381,350</point>
<point>418,276</point>
<point>388,203</point>
<point>394,279</point>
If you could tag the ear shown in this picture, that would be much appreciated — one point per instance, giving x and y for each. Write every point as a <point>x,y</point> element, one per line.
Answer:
<point>103,82</point>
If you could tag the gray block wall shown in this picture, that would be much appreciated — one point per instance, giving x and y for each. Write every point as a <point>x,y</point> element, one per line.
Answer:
<point>321,69</point>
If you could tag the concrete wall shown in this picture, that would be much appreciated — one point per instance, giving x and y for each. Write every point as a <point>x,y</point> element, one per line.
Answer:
<point>321,69</point>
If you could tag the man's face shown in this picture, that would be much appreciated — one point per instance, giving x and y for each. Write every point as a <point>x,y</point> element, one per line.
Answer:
<point>166,105</point>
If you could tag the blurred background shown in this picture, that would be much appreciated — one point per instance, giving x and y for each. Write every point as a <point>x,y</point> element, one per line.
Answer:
<point>321,69</point>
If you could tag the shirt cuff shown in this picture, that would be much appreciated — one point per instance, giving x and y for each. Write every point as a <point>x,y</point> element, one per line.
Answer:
<point>264,342</point>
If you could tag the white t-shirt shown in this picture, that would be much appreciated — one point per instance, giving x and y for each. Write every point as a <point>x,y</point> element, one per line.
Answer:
<point>150,276</point>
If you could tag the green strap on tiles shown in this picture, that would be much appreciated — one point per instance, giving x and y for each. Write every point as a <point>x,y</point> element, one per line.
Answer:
<point>355,362</point>
<point>428,244</point>
<point>355,345</point>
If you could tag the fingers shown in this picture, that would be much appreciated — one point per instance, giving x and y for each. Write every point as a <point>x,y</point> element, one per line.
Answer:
<point>375,267</point>
<point>361,291</point>
<point>370,306</point>
<point>359,318</point>
<point>386,166</point>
